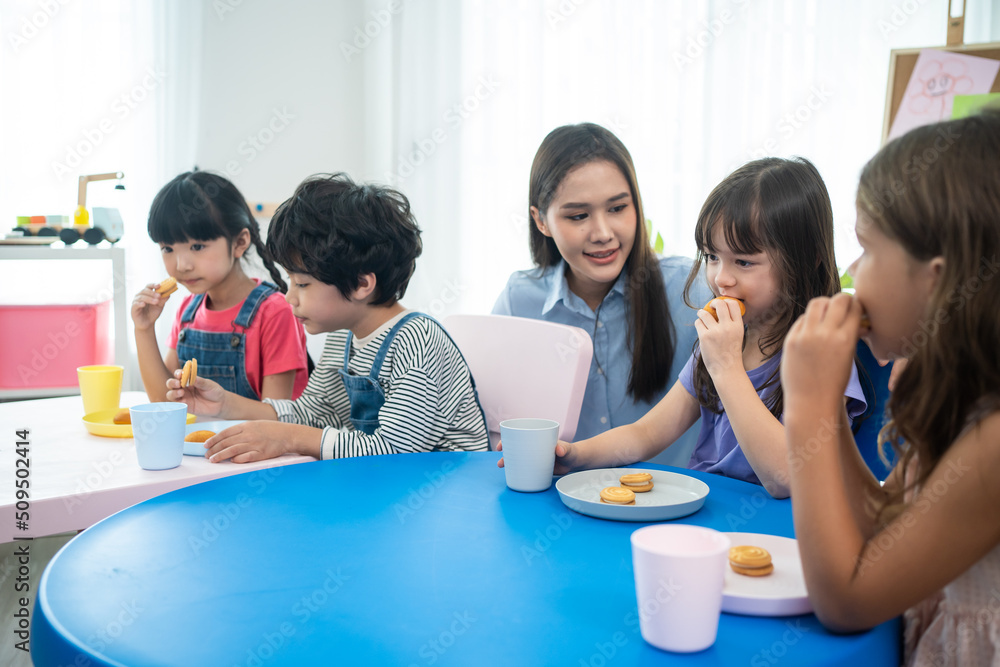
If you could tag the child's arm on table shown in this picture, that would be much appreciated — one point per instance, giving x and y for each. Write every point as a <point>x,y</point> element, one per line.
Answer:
<point>655,431</point>
<point>262,437</point>
<point>760,434</point>
<point>857,575</point>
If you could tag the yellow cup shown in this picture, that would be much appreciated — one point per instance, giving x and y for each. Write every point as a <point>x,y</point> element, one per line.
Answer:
<point>100,387</point>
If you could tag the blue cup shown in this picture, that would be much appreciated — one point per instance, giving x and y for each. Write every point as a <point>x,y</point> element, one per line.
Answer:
<point>158,429</point>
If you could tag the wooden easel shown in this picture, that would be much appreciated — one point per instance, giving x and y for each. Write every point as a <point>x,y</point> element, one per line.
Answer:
<point>903,61</point>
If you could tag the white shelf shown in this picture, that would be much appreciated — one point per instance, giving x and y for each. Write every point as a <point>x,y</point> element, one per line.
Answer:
<point>114,254</point>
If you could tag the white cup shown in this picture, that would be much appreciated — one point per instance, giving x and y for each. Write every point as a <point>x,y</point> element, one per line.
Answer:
<point>679,575</point>
<point>529,453</point>
<point>158,429</point>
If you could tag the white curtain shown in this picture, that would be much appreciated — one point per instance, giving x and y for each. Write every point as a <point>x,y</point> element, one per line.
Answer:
<point>94,87</point>
<point>692,88</point>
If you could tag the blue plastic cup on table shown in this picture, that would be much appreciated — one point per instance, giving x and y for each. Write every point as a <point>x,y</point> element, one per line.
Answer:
<point>529,453</point>
<point>158,429</point>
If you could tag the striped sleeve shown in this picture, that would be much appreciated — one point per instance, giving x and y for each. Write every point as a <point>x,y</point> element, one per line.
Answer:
<point>430,403</point>
<point>324,402</point>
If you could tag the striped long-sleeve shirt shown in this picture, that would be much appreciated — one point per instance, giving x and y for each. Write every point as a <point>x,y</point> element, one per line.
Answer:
<point>429,405</point>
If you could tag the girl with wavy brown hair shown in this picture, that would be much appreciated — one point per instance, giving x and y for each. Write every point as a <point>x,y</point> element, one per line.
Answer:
<point>927,543</point>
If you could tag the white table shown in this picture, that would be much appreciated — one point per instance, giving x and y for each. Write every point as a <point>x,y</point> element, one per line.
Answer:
<point>77,478</point>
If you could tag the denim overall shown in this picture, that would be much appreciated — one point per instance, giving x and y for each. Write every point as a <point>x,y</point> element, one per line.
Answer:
<point>365,393</point>
<point>222,356</point>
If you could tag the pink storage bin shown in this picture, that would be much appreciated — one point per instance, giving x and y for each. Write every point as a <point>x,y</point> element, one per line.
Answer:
<point>42,346</point>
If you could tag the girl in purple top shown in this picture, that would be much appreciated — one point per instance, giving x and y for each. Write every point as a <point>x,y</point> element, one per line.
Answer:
<point>765,237</point>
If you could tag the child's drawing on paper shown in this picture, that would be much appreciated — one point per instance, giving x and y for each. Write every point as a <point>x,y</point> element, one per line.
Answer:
<point>940,81</point>
<point>937,77</point>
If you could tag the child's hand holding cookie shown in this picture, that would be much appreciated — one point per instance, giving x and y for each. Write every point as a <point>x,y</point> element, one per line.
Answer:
<point>205,397</point>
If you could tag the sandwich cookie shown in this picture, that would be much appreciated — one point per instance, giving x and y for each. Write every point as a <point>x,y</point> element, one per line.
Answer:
<point>616,495</point>
<point>167,287</point>
<point>711,311</point>
<point>750,561</point>
<point>189,373</point>
<point>639,482</point>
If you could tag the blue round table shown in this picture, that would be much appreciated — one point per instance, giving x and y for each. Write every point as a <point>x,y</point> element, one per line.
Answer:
<point>423,559</point>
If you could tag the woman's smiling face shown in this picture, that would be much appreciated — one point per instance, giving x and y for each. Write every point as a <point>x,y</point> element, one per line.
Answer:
<point>592,220</point>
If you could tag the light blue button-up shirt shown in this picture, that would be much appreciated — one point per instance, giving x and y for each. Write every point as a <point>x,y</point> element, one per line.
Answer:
<point>545,295</point>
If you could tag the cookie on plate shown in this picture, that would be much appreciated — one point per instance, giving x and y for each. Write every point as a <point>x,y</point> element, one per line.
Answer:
<point>750,561</point>
<point>639,482</point>
<point>198,436</point>
<point>123,416</point>
<point>616,495</point>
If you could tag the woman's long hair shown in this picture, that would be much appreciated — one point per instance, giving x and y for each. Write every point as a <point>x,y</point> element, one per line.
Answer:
<point>651,334</point>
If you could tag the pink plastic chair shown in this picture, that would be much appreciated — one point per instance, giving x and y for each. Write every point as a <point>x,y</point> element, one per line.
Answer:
<point>525,368</point>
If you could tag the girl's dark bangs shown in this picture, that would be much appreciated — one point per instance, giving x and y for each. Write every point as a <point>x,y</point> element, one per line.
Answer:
<point>740,226</point>
<point>183,213</point>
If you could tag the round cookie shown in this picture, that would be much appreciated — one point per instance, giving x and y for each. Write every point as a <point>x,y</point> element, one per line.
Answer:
<point>711,310</point>
<point>753,571</point>
<point>189,373</point>
<point>167,287</point>
<point>616,495</point>
<point>198,436</point>
<point>750,561</point>
<point>639,482</point>
<point>123,416</point>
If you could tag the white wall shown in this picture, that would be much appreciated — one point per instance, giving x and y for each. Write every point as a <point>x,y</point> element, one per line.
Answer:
<point>275,72</point>
<point>279,101</point>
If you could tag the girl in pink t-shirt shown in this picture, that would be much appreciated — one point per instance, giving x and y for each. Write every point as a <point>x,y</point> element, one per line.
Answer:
<point>241,330</point>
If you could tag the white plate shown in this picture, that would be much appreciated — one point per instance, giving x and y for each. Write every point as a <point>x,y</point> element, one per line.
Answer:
<point>673,495</point>
<point>198,448</point>
<point>781,593</point>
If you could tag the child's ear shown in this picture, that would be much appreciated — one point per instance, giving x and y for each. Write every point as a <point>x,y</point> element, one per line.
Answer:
<point>241,243</point>
<point>536,215</point>
<point>936,267</point>
<point>365,288</point>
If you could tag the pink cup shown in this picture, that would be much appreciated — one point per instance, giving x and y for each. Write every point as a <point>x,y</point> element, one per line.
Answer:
<point>679,575</point>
